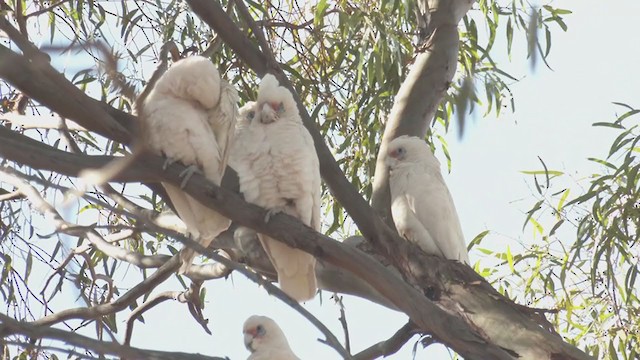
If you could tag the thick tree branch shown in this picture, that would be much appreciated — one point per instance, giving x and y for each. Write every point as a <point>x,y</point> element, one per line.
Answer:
<point>422,91</point>
<point>44,84</point>
<point>451,330</point>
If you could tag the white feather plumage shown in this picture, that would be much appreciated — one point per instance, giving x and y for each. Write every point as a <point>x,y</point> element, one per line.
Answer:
<point>266,341</point>
<point>278,169</point>
<point>189,116</point>
<point>421,205</point>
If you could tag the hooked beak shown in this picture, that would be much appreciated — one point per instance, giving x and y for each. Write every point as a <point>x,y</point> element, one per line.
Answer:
<point>269,112</point>
<point>248,339</point>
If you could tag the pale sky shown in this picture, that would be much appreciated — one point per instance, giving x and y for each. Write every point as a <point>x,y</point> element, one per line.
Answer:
<point>594,64</point>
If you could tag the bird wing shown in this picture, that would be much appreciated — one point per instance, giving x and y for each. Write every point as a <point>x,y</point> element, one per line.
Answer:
<point>223,122</point>
<point>429,198</point>
<point>312,168</point>
<point>408,224</point>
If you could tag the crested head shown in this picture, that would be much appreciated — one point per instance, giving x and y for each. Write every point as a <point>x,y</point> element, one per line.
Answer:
<point>275,102</point>
<point>409,150</point>
<point>261,331</point>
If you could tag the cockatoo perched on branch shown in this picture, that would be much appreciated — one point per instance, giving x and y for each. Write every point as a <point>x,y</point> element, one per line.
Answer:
<point>266,341</point>
<point>189,116</point>
<point>278,169</point>
<point>421,205</point>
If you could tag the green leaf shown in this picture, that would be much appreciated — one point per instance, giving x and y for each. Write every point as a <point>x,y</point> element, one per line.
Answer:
<point>563,198</point>
<point>602,162</point>
<point>476,240</point>
<point>510,260</point>
<point>28,266</point>
<point>530,213</point>
<point>542,172</point>
<point>321,7</point>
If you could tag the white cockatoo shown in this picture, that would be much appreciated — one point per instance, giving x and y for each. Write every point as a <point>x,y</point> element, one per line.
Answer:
<point>421,205</point>
<point>266,341</point>
<point>279,170</point>
<point>189,116</point>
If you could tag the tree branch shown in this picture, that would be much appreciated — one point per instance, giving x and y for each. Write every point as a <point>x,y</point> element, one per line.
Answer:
<point>449,329</point>
<point>389,346</point>
<point>421,92</point>
<point>44,84</point>
<point>9,326</point>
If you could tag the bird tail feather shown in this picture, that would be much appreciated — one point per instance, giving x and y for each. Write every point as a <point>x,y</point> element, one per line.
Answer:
<point>295,268</point>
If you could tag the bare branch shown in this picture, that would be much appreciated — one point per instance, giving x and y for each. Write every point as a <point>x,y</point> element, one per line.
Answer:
<point>44,84</point>
<point>23,42</point>
<point>343,322</point>
<point>157,299</point>
<point>46,9</point>
<point>389,346</point>
<point>9,326</point>
<point>8,196</point>
<point>257,32</point>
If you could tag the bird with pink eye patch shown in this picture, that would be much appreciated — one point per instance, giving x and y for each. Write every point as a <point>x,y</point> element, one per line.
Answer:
<point>421,204</point>
<point>266,341</point>
<point>278,169</point>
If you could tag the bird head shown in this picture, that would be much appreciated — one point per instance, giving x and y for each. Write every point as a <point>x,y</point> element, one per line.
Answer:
<point>261,331</point>
<point>275,102</point>
<point>409,150</point>
<point>248,114</point>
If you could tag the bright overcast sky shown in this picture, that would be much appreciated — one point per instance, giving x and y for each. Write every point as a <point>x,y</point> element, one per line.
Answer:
<point>594,64</point>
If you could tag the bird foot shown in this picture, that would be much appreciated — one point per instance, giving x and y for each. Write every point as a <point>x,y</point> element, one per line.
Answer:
<point>187,173</point>
<point>272,212</point>
<point>168,162</point>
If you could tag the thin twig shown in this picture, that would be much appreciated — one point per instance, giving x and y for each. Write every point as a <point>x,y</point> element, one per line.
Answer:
<point>23,42</point>
<point>147,305</point>
<point>389,346</point>
<point>9,326</point>
<point>46,9</point>
<point>264,44</point>
<point>343,321</point>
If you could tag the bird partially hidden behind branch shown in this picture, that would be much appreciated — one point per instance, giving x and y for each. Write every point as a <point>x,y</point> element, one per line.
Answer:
<point>421,205</point>
<point>266,341</point>
<point>278,169</point>
<point>189,116</point>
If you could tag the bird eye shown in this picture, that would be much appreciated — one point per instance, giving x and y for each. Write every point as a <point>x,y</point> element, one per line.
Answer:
<point>401,151</point>
<point>260,330</point>
<point>281,108</point>
<point>251,115</point>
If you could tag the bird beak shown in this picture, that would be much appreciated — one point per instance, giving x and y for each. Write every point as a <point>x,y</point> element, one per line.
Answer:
<point>248,340</point>
<point>268,113</point>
